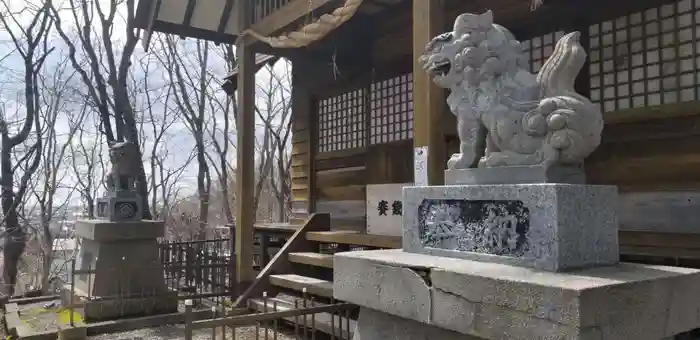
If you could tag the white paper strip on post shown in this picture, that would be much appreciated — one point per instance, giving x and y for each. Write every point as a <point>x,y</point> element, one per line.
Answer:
<point>420,165</point>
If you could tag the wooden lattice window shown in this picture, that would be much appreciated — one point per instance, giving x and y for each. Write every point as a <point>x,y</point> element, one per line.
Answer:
<point>646,58</point>
<point>538,49</point>
<point>391,109</point>
<point>342,121</point>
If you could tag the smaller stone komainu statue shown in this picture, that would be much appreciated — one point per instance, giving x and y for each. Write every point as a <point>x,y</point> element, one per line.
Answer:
<point>506,115</point>
<point>124,158</point>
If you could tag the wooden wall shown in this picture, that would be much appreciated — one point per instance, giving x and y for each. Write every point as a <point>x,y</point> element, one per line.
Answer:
<point>340,187</point>
<point>341,176</point>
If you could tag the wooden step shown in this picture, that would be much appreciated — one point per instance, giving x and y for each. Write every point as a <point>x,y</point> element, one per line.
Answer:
<point>355,238</point>
<point>298,220</point>
<point>312,259</point>
<point>285,228</point>
<point>322,321</point>
<point>298,283</point>
<point>298,216</point>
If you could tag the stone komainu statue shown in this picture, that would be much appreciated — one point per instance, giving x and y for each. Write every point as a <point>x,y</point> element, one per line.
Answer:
<point>124,157</point>
<point>122,201</point>
<point>506,115</point>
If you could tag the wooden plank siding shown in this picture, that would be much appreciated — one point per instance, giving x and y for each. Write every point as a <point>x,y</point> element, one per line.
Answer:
<point>340,188</point>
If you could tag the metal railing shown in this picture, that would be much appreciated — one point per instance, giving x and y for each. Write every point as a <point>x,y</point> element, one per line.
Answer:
<point>200,269</point>
<point>301,321</point>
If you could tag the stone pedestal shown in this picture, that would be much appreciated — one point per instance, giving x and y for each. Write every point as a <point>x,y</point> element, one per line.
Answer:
<point>553,227</point>
<point>120,206</point>
<point>419,296</point>
<point>127,277</point>
<point>496,255</point>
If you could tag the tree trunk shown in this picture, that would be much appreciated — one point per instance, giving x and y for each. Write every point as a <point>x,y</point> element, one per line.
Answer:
<point>46,266</point>
<point>90,202</point>
<point>203,187</point>
<point>16,238</point>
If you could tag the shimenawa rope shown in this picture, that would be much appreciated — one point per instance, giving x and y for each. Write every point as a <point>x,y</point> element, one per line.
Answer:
<point>312,32</point>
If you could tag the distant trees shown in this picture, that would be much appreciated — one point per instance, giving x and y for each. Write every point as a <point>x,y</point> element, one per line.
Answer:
<point>74,78</point>
<point>104,65</point>
<point>30,44</point>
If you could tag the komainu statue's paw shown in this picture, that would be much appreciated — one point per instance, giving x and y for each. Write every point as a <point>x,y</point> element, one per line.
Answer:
<point>458,161</point>
<point>492,160</point>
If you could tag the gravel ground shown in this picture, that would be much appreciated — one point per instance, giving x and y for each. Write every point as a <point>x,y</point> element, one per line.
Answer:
<point>176,332</point>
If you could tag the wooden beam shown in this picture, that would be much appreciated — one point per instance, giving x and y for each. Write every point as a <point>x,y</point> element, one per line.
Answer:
<point>428,99</point>
<point>245,177</point>
<point>189,12</point>
<point>225,16</point>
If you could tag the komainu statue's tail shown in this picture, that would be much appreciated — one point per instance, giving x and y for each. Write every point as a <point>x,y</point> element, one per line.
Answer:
<point>573,123</point>
<point>559,72</point>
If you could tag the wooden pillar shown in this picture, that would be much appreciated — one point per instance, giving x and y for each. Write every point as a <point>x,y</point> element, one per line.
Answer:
<point>428,99</point>
<point>245,161</point>
<point>304,137</point>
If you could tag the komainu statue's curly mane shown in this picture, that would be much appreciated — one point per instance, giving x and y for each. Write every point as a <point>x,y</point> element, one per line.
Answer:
<point>527,119</point>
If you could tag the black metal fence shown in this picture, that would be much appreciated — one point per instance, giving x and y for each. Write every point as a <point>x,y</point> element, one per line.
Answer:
<point>306,319</point>
<point>200,269</point>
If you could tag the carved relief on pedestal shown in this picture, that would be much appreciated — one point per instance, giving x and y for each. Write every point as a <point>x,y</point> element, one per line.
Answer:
<point>496,227</point>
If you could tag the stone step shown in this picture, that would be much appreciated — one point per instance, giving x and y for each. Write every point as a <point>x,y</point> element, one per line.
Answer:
<point>321,322</point>
<point>312,259</point>
<point>298,283</point>
<point>355,238</point>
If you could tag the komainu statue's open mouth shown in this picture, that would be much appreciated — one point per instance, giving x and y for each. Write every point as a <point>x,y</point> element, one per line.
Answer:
<point>440,68</point>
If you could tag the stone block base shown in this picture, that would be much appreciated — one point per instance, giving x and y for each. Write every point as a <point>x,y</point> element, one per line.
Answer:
<point>553,227</point>
<point>72,333</point>
<point>516,175</point>
<point>502,302</point>
<point>107,231</point>
<point>96,309</point>
<point>119,258</point>
<point>376,325</point>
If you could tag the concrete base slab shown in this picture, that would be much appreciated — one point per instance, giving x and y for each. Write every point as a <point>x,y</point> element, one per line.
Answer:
<point>12,320</point>
<point>73,333</point>
<point>502,302</point>
<point>48,328</point>
<point>375,325</point>
<point>96,309</point>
